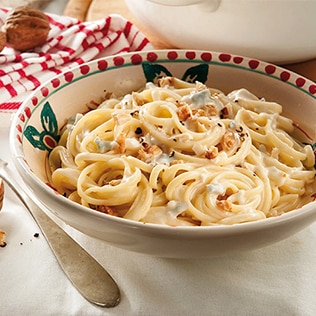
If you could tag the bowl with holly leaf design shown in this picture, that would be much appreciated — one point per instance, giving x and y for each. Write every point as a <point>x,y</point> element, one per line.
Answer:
<point>41,128</point>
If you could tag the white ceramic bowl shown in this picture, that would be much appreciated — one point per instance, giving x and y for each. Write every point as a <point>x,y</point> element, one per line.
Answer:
<point>68,93</point>
<point>277,31</point>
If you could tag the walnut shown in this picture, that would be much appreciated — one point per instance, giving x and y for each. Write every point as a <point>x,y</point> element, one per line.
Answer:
<point>228,141</point>
<point>184,112</point>
<point>3,40</point>
<point>211,153</point>
<point>2,239</point>
<point>120,140</point>
<point>149,153</point>
<point>224,205</point>
<point>107,210</point>
<point>26,28</point>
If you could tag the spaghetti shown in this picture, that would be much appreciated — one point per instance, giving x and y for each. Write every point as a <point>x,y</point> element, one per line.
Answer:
<point>178,153</point>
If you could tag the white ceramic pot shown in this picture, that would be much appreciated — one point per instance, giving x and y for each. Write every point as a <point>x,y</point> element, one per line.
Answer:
<point>278,31</point>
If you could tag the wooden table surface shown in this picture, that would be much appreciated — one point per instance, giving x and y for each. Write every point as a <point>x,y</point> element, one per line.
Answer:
<point>89,10</point>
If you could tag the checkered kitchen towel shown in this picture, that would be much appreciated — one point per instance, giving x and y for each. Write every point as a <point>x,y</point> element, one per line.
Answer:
<point>70,43</point>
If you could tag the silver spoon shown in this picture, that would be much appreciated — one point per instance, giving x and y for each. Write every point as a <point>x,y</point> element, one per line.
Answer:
<point>86,274</point>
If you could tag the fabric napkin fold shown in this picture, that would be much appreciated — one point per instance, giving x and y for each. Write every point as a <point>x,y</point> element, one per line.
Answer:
<point>70,43</point>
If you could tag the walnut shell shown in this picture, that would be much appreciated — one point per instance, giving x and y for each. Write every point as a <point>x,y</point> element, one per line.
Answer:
<point>26,28</point>
<point>2,239</point>
<point>3,40</point>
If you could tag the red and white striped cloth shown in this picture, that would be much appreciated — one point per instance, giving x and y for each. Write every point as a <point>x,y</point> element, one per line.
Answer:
<point>70,43</point>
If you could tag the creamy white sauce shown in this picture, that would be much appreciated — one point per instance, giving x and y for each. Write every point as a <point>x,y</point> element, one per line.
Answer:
<point>103,145</point>
<point>242,94</point>
<point>175,208</point>
<point>131,143</point>
<point>276,176</point>
<point>216,188</point>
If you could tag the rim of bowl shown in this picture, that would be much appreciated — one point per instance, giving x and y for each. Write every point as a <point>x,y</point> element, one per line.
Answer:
<point>40,94</point>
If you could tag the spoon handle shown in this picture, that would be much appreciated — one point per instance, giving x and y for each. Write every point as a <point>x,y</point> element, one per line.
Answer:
<point>91,280</point>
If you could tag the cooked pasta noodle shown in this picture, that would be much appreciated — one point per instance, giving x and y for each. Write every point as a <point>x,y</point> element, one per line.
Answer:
<point>177,153</point>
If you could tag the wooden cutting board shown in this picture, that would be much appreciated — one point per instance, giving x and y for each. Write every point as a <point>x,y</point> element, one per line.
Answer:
<point>32,3</point>
<point>89,10</point>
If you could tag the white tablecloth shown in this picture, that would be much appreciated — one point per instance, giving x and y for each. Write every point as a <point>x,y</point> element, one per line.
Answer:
<point>277,280</point>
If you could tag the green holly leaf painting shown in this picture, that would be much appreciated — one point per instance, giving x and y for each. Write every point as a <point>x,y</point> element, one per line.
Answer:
<point>47,138</point>
<point>153,72</point>
<point>48,120</point>
<point>34,137</point>
<point>197,73</point>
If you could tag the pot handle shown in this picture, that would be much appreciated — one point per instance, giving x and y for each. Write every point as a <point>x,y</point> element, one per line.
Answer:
<point>209,5</point>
